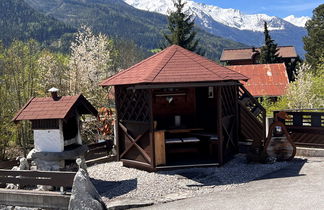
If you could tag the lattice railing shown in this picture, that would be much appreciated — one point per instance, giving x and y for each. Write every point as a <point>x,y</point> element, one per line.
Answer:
<point>251,104</point>
<point>133,104</point>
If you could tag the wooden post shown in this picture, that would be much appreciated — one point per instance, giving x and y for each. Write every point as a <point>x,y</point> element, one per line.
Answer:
<point>237,118</point>
<point>264,133</point>
<point>159,150</point>
<point>151,132</point>
<point>117,124</point>
<point>220,125</point>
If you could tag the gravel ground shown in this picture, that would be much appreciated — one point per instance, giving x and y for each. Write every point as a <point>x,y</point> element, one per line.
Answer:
<point>115,182</point>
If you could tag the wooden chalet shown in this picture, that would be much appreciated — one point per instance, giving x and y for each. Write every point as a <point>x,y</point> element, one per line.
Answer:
<point>270,80</point>
<point>179,109</point>
<point>246,56</point>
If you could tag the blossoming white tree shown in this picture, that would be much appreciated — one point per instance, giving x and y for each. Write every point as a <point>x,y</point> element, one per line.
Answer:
<point>53,72</point>
<point>89,64</point>
<point>300,94</point>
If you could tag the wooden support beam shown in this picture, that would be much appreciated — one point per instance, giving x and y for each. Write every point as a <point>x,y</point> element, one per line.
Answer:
<point>134,143</point>
<point>178,85</point>
<point>151,130</point>
<point>116,125</point>
<point>137,164</point>
<point>219,125</point>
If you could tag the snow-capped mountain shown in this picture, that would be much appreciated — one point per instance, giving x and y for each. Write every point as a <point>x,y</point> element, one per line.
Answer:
<point>229,17</point>
<point>232,23</point>
<point>297,21</point>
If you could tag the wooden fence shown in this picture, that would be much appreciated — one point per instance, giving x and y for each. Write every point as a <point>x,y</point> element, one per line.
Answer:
<point>8,164</point>
<point>36,199</point>
<point>99,152</point>
<point>33,178</point>
<point>306,128</point>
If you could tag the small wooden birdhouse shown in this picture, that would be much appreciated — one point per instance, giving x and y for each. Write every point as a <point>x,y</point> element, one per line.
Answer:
<point>55,121</point>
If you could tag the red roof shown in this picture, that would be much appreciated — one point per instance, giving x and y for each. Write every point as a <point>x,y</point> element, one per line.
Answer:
<point>246,53</point>
<point>173,65</point>
<point>265,79</point>
<point>48,108</point>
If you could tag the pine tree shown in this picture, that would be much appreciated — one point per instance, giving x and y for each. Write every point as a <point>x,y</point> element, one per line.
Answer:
<point>269,51</point>
<point>181,26</point>
<point>314,42</point>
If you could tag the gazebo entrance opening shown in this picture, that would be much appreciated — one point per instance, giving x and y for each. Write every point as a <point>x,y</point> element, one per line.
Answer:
<point>177,126</point>
<point>185,126</point>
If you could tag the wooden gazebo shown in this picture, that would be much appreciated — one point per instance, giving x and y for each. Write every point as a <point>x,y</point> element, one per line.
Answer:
<point>176,109</point>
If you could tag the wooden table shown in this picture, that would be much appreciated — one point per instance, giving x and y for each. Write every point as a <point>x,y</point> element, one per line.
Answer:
<point>183,130</point>
<point>159,142</point>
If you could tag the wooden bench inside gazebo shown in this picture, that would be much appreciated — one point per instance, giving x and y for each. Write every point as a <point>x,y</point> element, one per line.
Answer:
<point>176,109</point>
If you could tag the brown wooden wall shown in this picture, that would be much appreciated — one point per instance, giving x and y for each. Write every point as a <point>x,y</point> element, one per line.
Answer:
<point>45,124</point>
<point>183,102</point>
<point>240,62</point>
<point>134,118</point>
<point>230,119</point>
<point>206,109</point>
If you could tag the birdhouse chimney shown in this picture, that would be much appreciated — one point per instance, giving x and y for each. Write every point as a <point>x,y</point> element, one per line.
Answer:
<point>53,92</point>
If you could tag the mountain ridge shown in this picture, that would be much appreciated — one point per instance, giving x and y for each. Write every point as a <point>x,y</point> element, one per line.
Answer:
<point>230,17</point>
<point>232,23</point>
<point>297,21</point>
<point>18,21</point>
<point>118,19</point>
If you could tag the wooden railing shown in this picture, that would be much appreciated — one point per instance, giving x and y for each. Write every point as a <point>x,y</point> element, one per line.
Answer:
<point>304,119</point>
<point>306,127</point>
<point>252,117</point>
<point>99,152</point>
<point>252,104</point>
<point>34,178</point>
<point>8,164</point>
<point>32,198</point>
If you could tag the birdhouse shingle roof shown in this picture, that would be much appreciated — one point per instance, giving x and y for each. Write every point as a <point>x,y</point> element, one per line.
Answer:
<point>48,108</point>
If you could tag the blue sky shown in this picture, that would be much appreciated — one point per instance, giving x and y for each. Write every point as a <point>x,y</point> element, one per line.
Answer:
<point>280,8</point>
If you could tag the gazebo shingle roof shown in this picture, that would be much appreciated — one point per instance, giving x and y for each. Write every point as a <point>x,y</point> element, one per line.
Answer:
<point>265,79</point>
<point>173,65</point>
<point>48,108</point>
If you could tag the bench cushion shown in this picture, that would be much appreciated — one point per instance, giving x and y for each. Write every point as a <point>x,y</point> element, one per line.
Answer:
<point>173,141</point>
<point>190,139</point>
